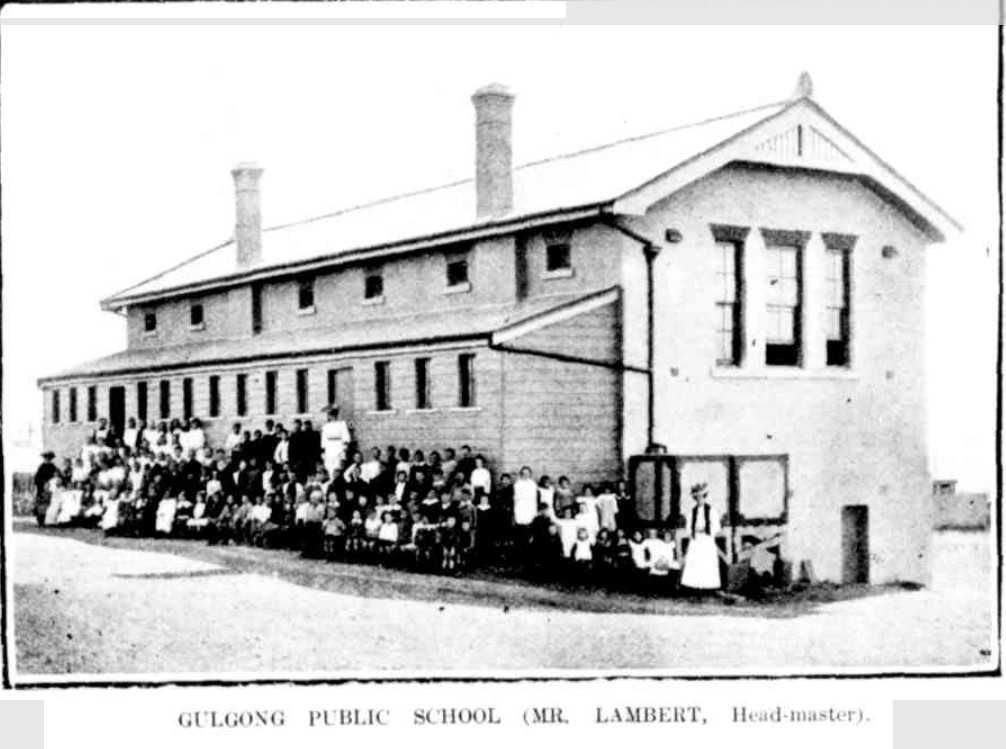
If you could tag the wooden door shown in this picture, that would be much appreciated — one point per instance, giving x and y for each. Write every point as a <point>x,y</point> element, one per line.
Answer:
<point>855,544</point>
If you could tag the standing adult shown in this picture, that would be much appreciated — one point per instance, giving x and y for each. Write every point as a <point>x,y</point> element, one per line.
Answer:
<point>702,560</point>
<point>46,471</point>
<point>335,439</point>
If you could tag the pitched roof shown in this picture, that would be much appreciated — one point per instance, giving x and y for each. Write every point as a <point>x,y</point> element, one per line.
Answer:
<point>585,178</point>
<point>400,330</point>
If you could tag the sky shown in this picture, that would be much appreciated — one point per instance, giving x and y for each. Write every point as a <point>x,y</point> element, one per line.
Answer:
<point>117,144</point>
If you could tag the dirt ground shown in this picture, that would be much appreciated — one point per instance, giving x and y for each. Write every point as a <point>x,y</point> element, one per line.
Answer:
<point>88,607</point>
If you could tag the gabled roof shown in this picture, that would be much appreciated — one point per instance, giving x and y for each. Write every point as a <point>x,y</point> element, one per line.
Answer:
<point>477,325</point>
<point>626,176</point>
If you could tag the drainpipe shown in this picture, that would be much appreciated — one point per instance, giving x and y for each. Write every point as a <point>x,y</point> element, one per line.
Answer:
<point>650,252</point>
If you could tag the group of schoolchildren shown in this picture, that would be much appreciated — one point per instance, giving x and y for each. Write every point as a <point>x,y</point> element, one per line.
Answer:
<point>313,491</point>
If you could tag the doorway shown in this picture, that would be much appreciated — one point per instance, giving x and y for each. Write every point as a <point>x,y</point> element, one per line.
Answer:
<point>340,391</point>
<point>117,408</point>
<point>855,544</point>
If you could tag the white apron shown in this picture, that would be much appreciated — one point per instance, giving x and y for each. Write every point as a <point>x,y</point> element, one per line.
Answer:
<point>165,515</point>
<point>110,519</point>
<point>702,560</point>
<point>69,507</point>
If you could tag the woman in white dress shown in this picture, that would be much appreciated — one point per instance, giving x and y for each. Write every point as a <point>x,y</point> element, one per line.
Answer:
<point>702,561</point>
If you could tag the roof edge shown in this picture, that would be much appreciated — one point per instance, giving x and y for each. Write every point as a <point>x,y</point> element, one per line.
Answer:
<point>471,232</point>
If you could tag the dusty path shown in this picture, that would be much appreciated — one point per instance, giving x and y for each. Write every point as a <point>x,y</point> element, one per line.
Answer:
<point>87,609</point>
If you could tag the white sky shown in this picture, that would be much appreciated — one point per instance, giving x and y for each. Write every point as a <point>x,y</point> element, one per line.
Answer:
<point>118,140</point>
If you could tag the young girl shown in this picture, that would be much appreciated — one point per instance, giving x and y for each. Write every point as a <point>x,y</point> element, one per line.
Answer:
<point>582,554</point>
<point>567,531</point>
<point>334,533</point>
<point>447,539</point>
<point>564,496</point>
<point>637,552</point>
<point>607,508</point>
<point>481,480</point>
<point>387,535</point>
<point>586,516</point>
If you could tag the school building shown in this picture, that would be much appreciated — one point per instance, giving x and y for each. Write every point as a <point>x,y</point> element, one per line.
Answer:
<point>737,301</point>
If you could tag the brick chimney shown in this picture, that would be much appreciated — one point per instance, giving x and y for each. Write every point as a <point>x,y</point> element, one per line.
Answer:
<point>493,150</point>
<point>248,221</point>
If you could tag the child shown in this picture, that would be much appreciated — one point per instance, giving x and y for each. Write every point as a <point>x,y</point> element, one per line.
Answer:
<point>564,496</point>
<point>357,537</point>
<point>371,529</point>
<point>481,480</point>
<point>567,531</point>
<point>607,508</point>
<point>640,565</point>
<point>448,542</point>
<point>586,516</point>
<point>387,534</point>
<point>334,530</point>
<point>424,538</point>
<point>664,565</point>
<point>582,555</point>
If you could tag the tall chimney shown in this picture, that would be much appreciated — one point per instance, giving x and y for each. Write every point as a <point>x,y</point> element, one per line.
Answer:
<point>493,151</point>
<point>248,221</point>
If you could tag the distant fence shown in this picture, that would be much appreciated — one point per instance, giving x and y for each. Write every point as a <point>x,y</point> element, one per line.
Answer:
<point>23,492</point>
<point>961,512</point>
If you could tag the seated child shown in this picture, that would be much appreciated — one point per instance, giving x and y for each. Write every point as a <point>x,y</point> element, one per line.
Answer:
<point>334,531</point>
<point>387,534</point>
<point>567,531</point>
<point>356,541</point>
<point>424,538</point>
<point>662,556</point>
<point>582,554</point>
<point>640,564</point>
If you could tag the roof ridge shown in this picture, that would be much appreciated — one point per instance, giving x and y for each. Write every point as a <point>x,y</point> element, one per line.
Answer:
<point>455,183</point>
<point>536,162</point>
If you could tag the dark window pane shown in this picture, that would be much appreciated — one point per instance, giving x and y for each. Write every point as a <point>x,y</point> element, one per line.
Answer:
<point>165,399</point>
<point>55,407</point>
<point>270,392</point>
<point>557,257</point>
<point>466,380</point>
<point>73,404</point>
<point>302,392</point>
<point>150,322</point>
<point>373,286</point>
<point>457,272</point>
<point>241,385</point>
<point>141,400</point>
<point>422,383</point>
<point>214,395</point>
<point>196,314</point>
<point>305,293</point>
<point>187,398</point>
<point>382,386</point>
<point>256,308</point>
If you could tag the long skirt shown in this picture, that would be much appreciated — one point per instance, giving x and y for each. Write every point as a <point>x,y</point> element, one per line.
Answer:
<point>69,506</point>
<point>110,520</point>
<point>702,564</point>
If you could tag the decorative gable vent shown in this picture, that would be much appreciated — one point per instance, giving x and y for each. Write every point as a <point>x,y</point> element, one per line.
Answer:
<point>802,142</point>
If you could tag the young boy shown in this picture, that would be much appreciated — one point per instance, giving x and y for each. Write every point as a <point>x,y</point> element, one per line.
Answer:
<point>334,530</point>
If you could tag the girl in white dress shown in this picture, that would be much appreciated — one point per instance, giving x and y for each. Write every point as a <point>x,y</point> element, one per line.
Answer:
<point>702,561</point>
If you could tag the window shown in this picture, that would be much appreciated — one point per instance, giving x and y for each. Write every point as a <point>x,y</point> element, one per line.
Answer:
<point>305,294</point>
<point>729,328</point>
<point>838,260</point>
<point>92,403</point>
<point>141,401</point>
<point>165,399</point>
<point>196,315</point>
<point>333,386</point>
<point>241,394</point>
<point>784,296</point>
<point>214,396</point>
<point>73,404</point>
<point>466,380</point>
<point>270,392</point>
<point>373,284</point>
<point>457,270</point>
<point>187,397</point>
<point>382,386</point>
<point>761,489</point>
<point>149,322</point>
<point>557,256</point>
<point>302,392</point>
<point>55,407</point>
<point>256,308</point>
<point>423,384</point>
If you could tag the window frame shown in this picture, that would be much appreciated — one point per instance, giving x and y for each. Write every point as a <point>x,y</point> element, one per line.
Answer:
<point>72,412</point>
<point>195,324</point>
<point>424,400</point>
<point>558,241</point>
<point>369,293</point>
<point>306,292</point>
<point>841,245</point>
<point>142,400</point>
<point>164,399</point>
<point>241,394</point>
<point>55,405</point>
<point>457,259</point>
<point>187,397</point>
<point>270,387</point>
<point>149,322</point>
<point>382,386</point>
<point>92,403</point>
<point>302,383</point>
<point>785,354</point>
<point>213,388</point>
<point>256,308</point>
<point>467,381</point>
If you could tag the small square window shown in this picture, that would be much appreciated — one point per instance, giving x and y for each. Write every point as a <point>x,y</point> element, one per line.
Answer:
<point>457,271</point>
<point>305,293</point>
<point>558,257</point>
<point>196,315</point>
<point>149,322</point>
<point>373,285</point>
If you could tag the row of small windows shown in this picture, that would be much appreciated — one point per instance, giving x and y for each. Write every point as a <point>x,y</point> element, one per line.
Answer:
<point>382,392</point>
<point>558,258</point>
<point>784,300</point>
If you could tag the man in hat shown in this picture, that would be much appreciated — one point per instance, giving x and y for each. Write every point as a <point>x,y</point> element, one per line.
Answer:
<point>335,438</point>
<point>46,471</point>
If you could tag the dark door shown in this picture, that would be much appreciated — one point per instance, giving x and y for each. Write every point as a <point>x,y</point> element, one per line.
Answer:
<point>855,544</point>
<point>117,408</point>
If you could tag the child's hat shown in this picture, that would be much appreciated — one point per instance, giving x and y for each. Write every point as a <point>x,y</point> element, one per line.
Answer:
<point>699,488</point>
